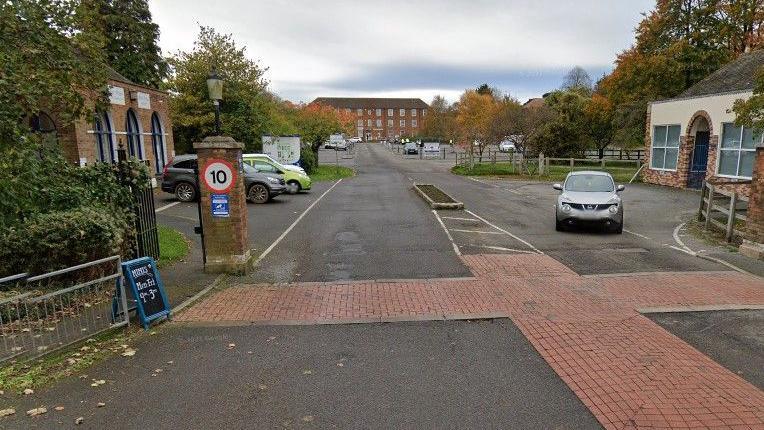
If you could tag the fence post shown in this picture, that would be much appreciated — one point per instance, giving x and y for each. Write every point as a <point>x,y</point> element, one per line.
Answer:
<point>731,217</point>
<point>541,163</point>
<point>702,200</point>
<point>602,163</point>
<point>709,205</point>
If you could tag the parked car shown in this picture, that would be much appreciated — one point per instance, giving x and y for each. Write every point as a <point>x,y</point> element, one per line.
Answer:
<point>410,148</point>
<point>354,140</point>
<point>295,177</point>
<point>328,144</point>
<point>506,146</point>
<point>179,178</point>
<point>589,198</point>
<point>341,146</point>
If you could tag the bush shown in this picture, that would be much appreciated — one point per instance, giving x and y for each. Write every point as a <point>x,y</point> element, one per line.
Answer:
<point>60,239</point>
<point>308,159</point>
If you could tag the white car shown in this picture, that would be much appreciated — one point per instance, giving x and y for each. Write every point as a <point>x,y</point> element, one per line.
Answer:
<point>354,140</point>
<point>506,146</point>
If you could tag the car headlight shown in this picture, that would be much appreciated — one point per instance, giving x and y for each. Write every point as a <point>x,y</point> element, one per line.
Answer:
<point>273,180</point>
<point>565,207</point>
<point>613,209</point>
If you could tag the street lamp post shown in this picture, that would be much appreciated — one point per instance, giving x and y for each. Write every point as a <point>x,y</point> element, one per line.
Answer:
<point>215,89</point>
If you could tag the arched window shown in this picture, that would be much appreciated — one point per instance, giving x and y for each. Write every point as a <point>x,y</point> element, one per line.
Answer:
<point>103,139</point>
<point>157,140</point>
<point>43,124</point>
<point>133,136</point>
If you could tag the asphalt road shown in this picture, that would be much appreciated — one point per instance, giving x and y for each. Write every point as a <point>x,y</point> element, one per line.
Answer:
<point>734,339</point>
<point>428,375</point>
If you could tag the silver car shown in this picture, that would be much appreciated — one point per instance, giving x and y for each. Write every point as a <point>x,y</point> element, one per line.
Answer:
<point>589,198</point>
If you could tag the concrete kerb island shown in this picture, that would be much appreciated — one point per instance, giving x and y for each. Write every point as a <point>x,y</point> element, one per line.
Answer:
<point>436,198</point>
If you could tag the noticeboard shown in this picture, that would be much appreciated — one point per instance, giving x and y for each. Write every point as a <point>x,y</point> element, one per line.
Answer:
<point>148,291</point>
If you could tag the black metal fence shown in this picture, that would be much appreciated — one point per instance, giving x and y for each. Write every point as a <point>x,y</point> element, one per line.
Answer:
<point>146,243</point>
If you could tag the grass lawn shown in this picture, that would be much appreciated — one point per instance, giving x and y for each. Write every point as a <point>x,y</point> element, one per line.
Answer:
<point>556,173</point>
<point>328,172</point>
<point>172,246</point>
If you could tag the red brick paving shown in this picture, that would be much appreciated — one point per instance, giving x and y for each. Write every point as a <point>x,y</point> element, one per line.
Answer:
<point>626,369</point>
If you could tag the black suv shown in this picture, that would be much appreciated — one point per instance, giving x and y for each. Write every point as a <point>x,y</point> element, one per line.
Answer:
<point>179,178</point>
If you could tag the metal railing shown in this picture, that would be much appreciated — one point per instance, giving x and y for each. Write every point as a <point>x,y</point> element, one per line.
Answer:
<point>725,210</point>
<point>43,313</point>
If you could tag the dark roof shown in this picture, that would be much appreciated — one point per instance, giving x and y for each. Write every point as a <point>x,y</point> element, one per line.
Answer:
<point>534,102</point>
<point>738,75</point>
<point>370,103</point>
<point>116,76</point>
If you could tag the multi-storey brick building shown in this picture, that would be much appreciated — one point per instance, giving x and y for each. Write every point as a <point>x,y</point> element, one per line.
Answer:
<point>381,118</point>
<point>137,118</point>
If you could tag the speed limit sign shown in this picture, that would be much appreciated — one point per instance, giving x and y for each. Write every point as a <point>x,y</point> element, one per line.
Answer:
<point>219,175</point>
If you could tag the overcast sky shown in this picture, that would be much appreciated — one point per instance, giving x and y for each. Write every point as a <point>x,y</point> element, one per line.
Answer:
<point>414,48</point>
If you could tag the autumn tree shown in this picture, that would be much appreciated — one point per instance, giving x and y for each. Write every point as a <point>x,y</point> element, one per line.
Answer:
<point>474,115</point>
<point>246,106</point>
<point>598,122</point>
<point>440,122</point>
<point>750,113</point>
<point>565,133</point>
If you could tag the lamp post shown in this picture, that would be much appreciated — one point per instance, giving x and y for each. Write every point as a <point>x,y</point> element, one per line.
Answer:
<point>215,89</point>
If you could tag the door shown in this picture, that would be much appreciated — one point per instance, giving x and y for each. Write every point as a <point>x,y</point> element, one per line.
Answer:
<point>699,162</point>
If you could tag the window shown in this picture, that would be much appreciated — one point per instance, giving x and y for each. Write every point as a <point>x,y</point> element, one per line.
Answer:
<point>737,151</point>
<point>368,122</point>
<point>347,110</point>
<point>103,139</point>
<point>359,112</point>
<point>360,123</point>
<point>379,123</point>
<point>379,112</point>
<point>413,112</point>
<point>402,112</point>
<point>185,164</point>
<point>665,147</point>
<point>264,167</point>
<point>368,112</point>
<point>43,125</point>
<point>389,112</point>
<point>424,112</point>
<point>133,136</point>
<point>389,123</point>
<point>157,141</point>
<point>403,123</point>
<point>413,123</point>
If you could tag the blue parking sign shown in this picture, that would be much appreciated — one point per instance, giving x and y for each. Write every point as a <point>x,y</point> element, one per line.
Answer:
<point>219,203</point>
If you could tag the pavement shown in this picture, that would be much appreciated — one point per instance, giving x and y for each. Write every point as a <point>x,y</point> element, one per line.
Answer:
<point>485,317</point>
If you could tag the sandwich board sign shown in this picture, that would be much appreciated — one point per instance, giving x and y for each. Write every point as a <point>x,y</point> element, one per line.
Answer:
<point>148,291</point>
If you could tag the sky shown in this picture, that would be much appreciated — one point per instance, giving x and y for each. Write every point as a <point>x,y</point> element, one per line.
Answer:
<point>414,48</point>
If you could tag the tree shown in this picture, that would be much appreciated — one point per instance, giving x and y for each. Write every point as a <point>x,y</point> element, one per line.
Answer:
<point>246,107</point>
<point>598,118</point>
<point>565,134</point>
<point>474,115</point>
<point>750,113</point>
<point>48,58</point>
<point>577,79</point>
<point>316,122</point>
<point>521,124</point>
<point>440,122</point>
<point>131,39</point>
<point>742,24</point>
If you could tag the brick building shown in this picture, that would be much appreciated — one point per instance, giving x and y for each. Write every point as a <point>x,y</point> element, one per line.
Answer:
<point>381,118</point>
<point>137,118</point>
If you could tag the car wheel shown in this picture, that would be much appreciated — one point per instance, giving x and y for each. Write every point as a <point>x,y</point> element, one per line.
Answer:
<point>185,192</point>
<point>618,229</point>
<point>558,226</point>
<point>293,187</point>
<point>258,193</point>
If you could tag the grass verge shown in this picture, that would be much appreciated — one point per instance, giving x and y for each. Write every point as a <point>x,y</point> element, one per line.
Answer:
<point>173,246</point>
<point>17,376</point>
<point>328,172</point>
<point>556,173</point>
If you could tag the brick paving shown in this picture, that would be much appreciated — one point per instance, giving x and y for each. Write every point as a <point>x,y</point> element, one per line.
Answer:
<point>626,369</point>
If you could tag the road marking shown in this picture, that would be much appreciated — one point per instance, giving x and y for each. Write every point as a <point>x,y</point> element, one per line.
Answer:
<point>476,231</point>
<point>505,231</point>
<point>456,248</point>
<point>637,234</point>
<point>496,186</point>
<point>686,249</point>
<point>302,215</point>
<point>679,241</point>
<point>459,219</point>
<point>167,206</point>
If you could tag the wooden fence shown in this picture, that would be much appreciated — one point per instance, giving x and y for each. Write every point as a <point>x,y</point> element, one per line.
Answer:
<point>722,209</point>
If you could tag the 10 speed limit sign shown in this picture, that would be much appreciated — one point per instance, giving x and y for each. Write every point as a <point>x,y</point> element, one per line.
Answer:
<point>219,175</point>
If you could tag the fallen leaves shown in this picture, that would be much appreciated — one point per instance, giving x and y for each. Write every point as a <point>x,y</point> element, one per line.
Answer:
<point>37,411</point>
<point>231,345</point>
<point>59,408</point>
<point>7,412</point>
<point>101,404</point>
<point>97,383</point>
<point>79,420</point>
<point>128,353</point>
<point>28,391</point>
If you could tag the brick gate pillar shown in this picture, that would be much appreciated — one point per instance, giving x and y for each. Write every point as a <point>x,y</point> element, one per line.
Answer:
<point>753,246</point>
<point>223,205</point>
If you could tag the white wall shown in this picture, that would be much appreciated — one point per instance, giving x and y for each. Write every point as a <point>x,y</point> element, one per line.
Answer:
<point>681,111</point>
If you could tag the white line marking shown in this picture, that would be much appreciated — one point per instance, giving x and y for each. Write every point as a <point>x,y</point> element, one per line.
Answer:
<point>679,241</point>
<point>505,231</point>
<point>476,231</point>
<point>456,248</point>
<point>459,219</point>
<point>167,206</point>
<point>496,186</point>
<point>302,215</point>
<point>684,248</point>
<point>637,234</point>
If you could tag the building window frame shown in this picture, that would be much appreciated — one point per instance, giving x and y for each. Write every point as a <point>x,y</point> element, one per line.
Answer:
<point>379,123</point>
<point>413,112</point>
<point>157,143</point>
<point>133,133</point>
<point>389,122</point>
<point>401,112</point>
<point>102,133</point>
<point>390,112</point>
<point>414,123</point>
<point>737,149</point>
<point>402,123</point>
<point>664,147</point>
<point>359,112</point>
<point>378,112</point>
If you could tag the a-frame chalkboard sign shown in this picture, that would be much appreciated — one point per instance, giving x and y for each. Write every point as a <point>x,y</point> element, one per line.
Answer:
<point>148,291</point>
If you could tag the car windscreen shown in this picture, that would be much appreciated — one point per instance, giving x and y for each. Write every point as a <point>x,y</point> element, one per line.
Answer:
<point>249,169</point>
<point>589,183</point>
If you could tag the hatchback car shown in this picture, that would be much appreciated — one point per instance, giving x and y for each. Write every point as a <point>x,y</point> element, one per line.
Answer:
<point>589,198</point>
<point>180,178</point>
<point>295,177</point>
<point>506,146</point>
<point>410,149</point>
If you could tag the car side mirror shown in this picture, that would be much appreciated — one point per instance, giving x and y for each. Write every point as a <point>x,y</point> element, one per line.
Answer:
<point>557,187</point>
<point>620,188</point>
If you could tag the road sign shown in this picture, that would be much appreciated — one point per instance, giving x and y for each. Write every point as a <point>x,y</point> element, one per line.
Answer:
<point>148,291</point>
<point>218,175</point>
<point>219,203</point>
